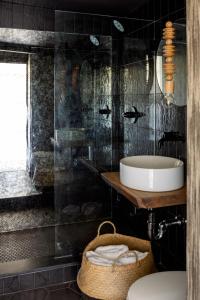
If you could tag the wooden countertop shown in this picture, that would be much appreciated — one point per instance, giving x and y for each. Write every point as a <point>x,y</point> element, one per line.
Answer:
<point>145,199</point>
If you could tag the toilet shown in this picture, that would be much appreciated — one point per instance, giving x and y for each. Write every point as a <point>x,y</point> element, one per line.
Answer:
<point>169,285</point>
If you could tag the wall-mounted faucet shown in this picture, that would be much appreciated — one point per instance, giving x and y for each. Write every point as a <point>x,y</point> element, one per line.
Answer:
<point>105,111</point>
<point>133,114</point>
<point>171,136</point>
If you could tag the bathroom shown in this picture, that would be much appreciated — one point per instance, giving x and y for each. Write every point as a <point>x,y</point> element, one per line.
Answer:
<point>91,80</point>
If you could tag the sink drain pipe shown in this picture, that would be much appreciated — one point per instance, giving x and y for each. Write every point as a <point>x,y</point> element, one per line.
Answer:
<point>162,226</point>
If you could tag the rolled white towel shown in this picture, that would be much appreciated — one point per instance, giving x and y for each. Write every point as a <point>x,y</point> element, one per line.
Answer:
<point>124,258</point>
<point>97,259</point>
<point>112,251</point>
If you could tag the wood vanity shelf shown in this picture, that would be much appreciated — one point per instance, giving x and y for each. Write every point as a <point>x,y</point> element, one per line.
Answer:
<point>145,199</point>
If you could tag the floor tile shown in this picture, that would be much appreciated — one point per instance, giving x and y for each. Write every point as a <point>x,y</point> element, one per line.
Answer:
<point>68,291</point>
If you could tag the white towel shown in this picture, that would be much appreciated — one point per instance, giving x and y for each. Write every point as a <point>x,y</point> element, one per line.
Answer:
<point>98,260</point>
<point>112,251</point>
<point>114,255</point>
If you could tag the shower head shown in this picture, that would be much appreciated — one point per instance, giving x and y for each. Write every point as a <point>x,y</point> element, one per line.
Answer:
<point>94,40</point>
<point>118,25</point>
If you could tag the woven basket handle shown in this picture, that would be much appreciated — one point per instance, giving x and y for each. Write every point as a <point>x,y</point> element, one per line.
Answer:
<point>124,255</point>
<point>128,254</point>
<point>102,224</point>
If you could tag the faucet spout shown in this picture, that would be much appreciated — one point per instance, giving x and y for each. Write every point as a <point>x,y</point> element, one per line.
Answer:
<point>163,225</point>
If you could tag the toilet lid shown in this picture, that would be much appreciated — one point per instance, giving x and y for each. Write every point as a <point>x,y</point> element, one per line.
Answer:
<point>159,286</point>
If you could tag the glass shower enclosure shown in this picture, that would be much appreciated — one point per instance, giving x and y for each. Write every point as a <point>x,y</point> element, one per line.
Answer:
<point>82,127</point>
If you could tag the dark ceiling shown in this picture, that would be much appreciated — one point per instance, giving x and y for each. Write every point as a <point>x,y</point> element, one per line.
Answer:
<point>143,9</point>
<point>111,7</point>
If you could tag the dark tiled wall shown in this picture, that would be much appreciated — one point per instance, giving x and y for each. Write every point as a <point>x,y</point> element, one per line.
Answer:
<point>137,89</point>
<point>156,9</point>
<point>95,24</point>
<point>170,251</point>
<point>23,16</point>
<point>49,276</point>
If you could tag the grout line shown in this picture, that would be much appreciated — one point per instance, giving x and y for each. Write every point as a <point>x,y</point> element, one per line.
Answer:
<point>156,21</point>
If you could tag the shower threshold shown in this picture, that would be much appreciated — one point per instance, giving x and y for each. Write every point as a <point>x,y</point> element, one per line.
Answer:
<point>30,249</point>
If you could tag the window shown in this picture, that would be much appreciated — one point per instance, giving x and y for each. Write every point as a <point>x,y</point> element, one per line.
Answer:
<point>13,116</point>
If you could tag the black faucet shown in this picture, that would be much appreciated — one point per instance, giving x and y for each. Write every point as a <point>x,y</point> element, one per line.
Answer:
<point>133,114</point>
<point>106,111</point>
<point>171,136</point>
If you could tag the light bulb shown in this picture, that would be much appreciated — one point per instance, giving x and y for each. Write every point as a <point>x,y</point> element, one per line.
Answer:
<point>168,100</point>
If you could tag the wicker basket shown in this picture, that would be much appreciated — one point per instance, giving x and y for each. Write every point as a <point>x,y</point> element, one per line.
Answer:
<point>113,282</point>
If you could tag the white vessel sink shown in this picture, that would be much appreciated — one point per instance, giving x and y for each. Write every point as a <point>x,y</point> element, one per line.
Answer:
<point>152,173</point>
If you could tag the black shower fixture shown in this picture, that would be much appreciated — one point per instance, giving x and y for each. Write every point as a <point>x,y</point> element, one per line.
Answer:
<point>171,136</point>
<point>105,111</point>
<point>133,114</point>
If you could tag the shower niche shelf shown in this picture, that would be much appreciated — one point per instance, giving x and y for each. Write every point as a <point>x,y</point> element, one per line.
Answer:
<point>145,199</point>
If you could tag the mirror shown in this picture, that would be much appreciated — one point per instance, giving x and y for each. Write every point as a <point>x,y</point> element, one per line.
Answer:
<point>180,77</point>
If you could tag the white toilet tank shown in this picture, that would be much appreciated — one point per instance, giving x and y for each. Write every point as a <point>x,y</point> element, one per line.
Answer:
<point>159,286</point>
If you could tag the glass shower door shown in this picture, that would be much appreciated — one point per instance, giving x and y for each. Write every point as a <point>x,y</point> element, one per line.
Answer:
<point>82,135</point>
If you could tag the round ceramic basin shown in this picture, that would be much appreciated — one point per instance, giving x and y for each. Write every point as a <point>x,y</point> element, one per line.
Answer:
<point>152,173</point>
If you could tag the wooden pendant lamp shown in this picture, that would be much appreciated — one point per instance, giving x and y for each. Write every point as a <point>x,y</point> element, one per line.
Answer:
<point>169,66</point>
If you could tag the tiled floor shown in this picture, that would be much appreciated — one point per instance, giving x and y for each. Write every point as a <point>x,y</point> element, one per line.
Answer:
<point>67,291</point>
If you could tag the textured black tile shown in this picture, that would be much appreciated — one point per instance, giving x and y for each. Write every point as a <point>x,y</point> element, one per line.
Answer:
<point>29,21</point>
<point>1,286</point>
<point>42,279</point>
<point>26,281</point>
<point>134,50</point>
<point>63,294</point>
<point>79,23</point>
<point>11,284</point>
<point>49,20</point>
<point>96,25</point>
<point>181,112</point>
<point>6,297</point>
<point>69,22</point>
<point>146,105</point>
<point>70,273</point>
<point>106,24</point>
<point>6,15</point>
<point>146,141</point>
<point>41,294</point>
<point>56,276</point>
<point>59,21</point>
<point>141,29</point>
<point>40,18</point>
<point>130,139</point>
<point>17,16</point>
<point>74,287</point>
<point>166,117</point>
<point>87,24</point>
